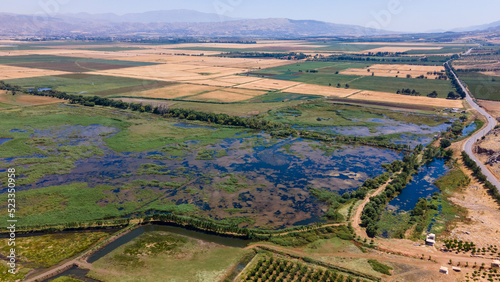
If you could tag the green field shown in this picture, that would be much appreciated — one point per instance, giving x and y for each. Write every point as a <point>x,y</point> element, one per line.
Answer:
<point>444,50</point>
<point>482,86</point>
<point>167,257</point>
<point>307,114</point>
<point>100,85</point>
<point>326,76</point>
<point>26,59</point>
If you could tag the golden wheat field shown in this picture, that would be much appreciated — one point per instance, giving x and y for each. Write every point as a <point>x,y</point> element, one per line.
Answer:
<point>404,99</point>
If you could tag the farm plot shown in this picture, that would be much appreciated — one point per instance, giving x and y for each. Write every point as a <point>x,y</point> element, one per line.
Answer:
<point>173,91</point>
<point>8,100</point>
<point>220,96</point>
<point>269,84</point>
<point>236,79</point>
<point>431,72</point>
<point>404,99</point>
<point>393,49</point>
<point>12,72</point>
<point>311,89</point>
<point>67,64</point>
<point>227,95</point>
<point>165,72</point>
<point>87,84</point>
<point>482,86</point>
<point>169,58</point>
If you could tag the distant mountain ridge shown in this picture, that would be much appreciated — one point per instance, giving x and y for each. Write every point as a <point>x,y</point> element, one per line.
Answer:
<point>493,25</point>
<point>165,16</point>
<point>176,23</point>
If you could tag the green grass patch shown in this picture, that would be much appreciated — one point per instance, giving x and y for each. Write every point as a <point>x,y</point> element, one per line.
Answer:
<point>100,85</point>
<point>452,182</point>
<point>232,183</point>
<point>380,267</point>
<point>66,279</point>
<point>48,250</point>
<point>76,203</point>
<point>147,256</point>
<point>26,59</point>
<point>482,86</point>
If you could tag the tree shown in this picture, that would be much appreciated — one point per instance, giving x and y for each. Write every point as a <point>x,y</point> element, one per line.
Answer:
<point>453,96</point>
<point>445,143</point>
<point>371,229</point>
<point>434,94</point>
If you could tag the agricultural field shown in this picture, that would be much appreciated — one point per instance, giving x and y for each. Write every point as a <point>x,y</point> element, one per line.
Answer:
<point>483,86</point>
<point>357,77</point>
<point>99,85</point>
<point>7,100</point>
<point>403,71</point>
<point>166,257</point>
<point>47,250</point>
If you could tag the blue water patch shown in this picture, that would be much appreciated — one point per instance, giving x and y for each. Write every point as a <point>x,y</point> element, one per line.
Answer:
<point>421,186</point>
<point>40,89</point>
<point>190,125</point>
<point>67,106</point>
<point>18,130</point>
<point>469,129</point>
<point>3,140</point>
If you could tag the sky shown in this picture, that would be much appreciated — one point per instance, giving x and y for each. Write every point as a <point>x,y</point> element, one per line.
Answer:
<point>394,15</point>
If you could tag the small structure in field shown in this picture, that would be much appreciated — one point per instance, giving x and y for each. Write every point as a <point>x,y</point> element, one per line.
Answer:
<point>443,270</point>
<point>431,239</point>
<point>457,269</point>
<point>495,263</point>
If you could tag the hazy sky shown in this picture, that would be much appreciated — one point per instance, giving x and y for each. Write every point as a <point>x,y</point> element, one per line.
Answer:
<point>396,15</point>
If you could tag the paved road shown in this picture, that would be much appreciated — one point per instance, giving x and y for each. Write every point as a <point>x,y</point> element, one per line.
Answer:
<point>490,125</point>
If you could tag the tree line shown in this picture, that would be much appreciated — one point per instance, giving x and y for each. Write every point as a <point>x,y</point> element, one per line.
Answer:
<point>470,163</point>
<point>454,81</point>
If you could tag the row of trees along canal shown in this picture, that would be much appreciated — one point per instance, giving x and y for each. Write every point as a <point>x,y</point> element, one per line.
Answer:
<point>275,129</point>
<point>402,173</point>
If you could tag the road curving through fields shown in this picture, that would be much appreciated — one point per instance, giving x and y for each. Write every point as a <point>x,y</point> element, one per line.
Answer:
<point>489,126</point>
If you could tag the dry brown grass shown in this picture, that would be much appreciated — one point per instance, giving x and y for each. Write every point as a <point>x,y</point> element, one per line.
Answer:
<point>12,72</point>
<point>26,100</point>
<point>491,73</point>
<point>269,84</point>
<point>172,92</point>
<point>492,107</point>
<point>312,89</point>
<point>404,99</point>
<point>213,82</point>
<point>248,92</point>
<point>167,72</point>
<point>245,63</point>
<point>236,79</point>
<point>220,96</point>
<point>396,71</point>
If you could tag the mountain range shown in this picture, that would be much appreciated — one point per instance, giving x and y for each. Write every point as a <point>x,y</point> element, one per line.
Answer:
<point>176,23</point>
<point>494,25</point>
<point>182,23</point>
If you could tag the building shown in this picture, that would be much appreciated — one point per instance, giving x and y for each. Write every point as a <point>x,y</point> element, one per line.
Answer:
<point>443,270</point>
<point>495,263</point>
<point>431,239</point>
